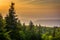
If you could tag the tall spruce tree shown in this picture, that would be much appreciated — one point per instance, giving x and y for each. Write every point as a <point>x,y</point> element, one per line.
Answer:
<point>31,26</point>
<point>1,23</point>
<point>54,33</point>
<point>1,28</point>
<point>11,20</point>
<point>3,35</point>
<point>32,31</point>
<point>19,25</point>
<point>39,36</point>
<point>24,27</point>
<point>11,24</point>
<point>39,28</point>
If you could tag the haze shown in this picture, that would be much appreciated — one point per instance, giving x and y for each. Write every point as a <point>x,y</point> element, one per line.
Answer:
<point>44,12</point>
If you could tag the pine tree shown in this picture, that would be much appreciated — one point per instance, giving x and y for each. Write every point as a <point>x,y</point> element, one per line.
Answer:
<point>39,36</point>
<point>54,32</point>
<point>39,28</point>
<point>3,35</point>
<point>32,31</point>
<point>11,24</point>
<point>11,20</point>
<point>1,23</point>
<point>31,26</point>
<point>24,27</point>
<point>1,28</point>
<point>19,25</point>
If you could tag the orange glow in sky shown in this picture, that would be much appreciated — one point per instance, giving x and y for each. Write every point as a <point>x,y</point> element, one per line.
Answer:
<point>33,9</point>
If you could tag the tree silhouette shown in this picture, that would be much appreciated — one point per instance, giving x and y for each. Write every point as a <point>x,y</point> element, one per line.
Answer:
<point>19,25</point>
<point>39,33</point>
<point>31,26</point>
<point>54,32</point>
<point>24,27</point>
<point>11,23</point>
<point>3,35</point>
<point>1,28</point>
<point>11,20</point>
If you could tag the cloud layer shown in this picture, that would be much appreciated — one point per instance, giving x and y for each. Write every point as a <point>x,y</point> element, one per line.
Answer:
<point>34,9</point>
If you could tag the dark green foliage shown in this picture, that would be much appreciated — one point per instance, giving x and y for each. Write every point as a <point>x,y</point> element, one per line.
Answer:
<point>39,33</point>
<point>12,29</point>
<point>19,25</point>
<point>24,27</point>
<point>31,26</point>
<point>54,31</point>
<point>11,24</point>
<point>3,33</point>
<point>11,20</point>
<point>56,35</point>
<point>1,28</point>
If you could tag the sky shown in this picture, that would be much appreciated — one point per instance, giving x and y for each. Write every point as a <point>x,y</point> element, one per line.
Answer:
<point>44,12</point>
